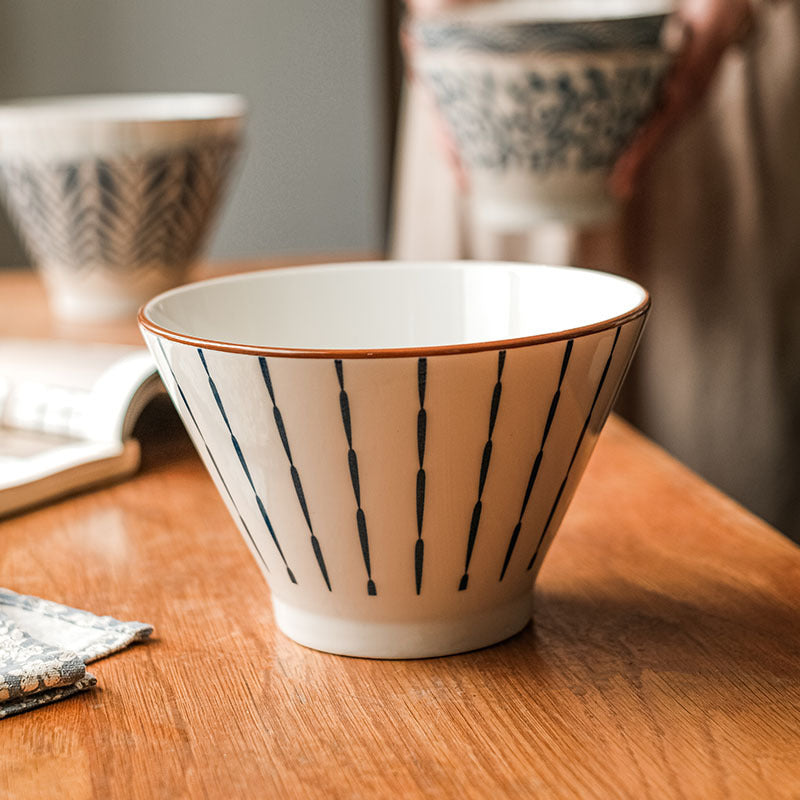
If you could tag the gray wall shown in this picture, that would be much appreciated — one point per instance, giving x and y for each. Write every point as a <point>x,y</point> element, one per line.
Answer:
<point>314,174</point>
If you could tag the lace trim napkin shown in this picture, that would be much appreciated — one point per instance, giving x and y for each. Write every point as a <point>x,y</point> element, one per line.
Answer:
<point>44,648</point>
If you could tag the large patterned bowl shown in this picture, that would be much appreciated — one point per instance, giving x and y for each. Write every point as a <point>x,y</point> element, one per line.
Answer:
<point>397,443</point>
<point>540,109</point>
<point>114,195</point>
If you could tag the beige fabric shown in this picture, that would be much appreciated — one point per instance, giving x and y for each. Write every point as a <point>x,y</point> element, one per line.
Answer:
<point>715,236</point>
<point>431,219</point>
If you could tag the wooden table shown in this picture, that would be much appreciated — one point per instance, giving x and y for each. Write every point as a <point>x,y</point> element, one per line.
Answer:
<point>664,661</point>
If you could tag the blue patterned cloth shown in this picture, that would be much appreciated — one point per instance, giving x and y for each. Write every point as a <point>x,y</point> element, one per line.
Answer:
<point>45,646</point>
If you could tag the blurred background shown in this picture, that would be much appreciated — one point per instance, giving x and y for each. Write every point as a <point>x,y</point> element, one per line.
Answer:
<point>319,79</point>
<point>343,157</point>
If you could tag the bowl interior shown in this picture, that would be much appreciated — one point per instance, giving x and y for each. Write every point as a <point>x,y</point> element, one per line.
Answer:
<point>123,108</point>
<point>391,305</point>
<point>515,11</point>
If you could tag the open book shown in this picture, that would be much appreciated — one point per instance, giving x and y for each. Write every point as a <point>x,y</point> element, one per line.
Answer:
<point>67,411</point>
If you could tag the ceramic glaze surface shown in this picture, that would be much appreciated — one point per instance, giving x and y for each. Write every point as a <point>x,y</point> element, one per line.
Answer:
<point>377,305</point>
<point>554,116</point>
<point>398,506</point>
<point>72,128</point>
<point>545,37</point>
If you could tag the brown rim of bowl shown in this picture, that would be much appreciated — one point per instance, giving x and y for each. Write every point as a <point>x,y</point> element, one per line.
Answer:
<point>391,352</point>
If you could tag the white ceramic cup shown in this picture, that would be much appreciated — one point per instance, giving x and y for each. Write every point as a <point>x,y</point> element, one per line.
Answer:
<point>540,99</point>
<point>397,442</point>
<point>114,195</point>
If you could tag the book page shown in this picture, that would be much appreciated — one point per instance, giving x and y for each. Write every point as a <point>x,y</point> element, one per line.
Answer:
<point>42,472</point>
<point>67,411</point>
<point>27,455</point>
<point>79,390</point>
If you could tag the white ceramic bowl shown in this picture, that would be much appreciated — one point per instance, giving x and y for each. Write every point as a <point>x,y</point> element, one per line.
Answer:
<point>113,195</point>
<point>541,98</point>
<point>397,442</point>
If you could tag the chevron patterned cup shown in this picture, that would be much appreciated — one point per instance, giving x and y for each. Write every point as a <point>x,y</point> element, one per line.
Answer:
<point>397,442</point>
<point>114,195</point>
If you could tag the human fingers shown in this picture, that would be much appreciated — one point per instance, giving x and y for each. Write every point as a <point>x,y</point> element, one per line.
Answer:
<point>707,34</point>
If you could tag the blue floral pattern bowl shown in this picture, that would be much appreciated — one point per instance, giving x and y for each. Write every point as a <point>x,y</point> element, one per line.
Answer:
<point>539,112</point>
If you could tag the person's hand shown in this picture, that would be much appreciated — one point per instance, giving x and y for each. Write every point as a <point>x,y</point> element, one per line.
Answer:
<point>710,27</point>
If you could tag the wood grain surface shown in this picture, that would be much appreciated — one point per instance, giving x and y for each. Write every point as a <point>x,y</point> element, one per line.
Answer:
<point>664,661</point>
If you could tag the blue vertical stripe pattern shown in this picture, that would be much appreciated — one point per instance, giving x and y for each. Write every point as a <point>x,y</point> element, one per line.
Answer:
<point>422,428</point>
<point>554,414</point>
<point>298,486</point>
<point>240,456</point>
<point>211,458</point>
<point>484,471</point>
<point>352,461</point>
<point>538,460</point>
<point>575,452</point>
